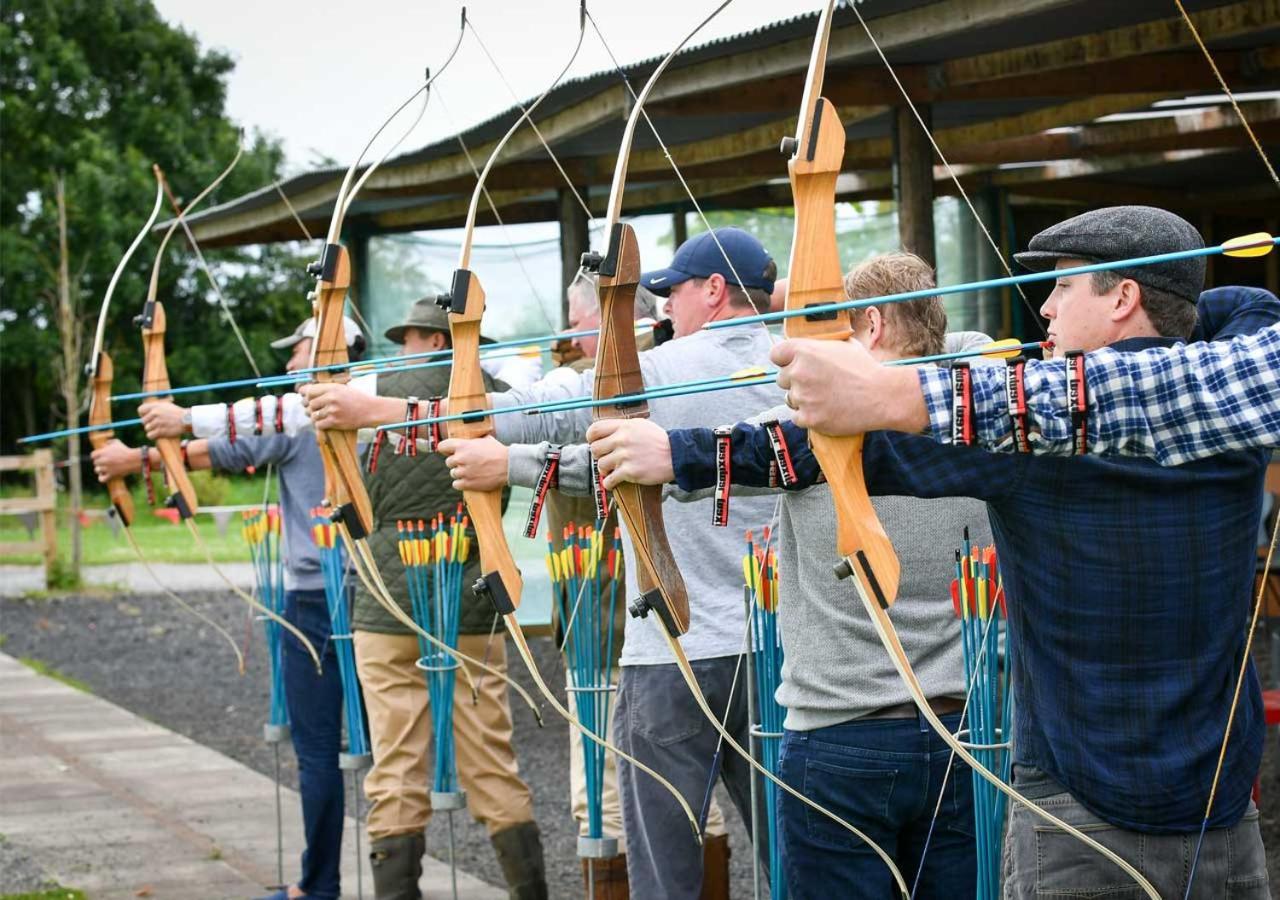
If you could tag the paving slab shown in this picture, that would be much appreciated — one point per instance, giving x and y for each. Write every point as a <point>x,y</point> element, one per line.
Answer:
<point>120,807</point>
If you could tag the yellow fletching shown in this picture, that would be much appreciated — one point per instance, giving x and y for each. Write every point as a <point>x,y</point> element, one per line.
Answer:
<point>1007,348</point>
<point>751,372</point>
<point>1249,245</point>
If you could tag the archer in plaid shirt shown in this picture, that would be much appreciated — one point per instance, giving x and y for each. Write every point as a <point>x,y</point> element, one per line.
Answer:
<point>1129,590</point>
<point>1173,405</point>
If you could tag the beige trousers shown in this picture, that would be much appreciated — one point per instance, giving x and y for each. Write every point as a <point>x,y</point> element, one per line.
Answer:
<point>395,696</point>
<point>612,810</point>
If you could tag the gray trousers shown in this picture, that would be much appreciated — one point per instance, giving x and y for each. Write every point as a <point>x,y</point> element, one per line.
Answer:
<point>657,721</point>
<point>1043,861</point>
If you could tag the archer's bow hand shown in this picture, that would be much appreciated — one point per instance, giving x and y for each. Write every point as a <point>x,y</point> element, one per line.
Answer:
<point>634,450</point>
<point>115,460</point>
<point>163,419</point>
<point>477,464</point>
<point>838,388</point>
<point>340,407</point>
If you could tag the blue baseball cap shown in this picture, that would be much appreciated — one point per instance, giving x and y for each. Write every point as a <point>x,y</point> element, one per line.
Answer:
<point>700,257</point>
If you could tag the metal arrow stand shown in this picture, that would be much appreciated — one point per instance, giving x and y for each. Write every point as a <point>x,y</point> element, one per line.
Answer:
<point>275,735</point>
<point>355,763</point>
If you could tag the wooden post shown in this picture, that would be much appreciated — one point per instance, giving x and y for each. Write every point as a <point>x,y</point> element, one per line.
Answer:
<point>44,504</point>
<point>47,500</point>
<point>913,183</point>
<point>679,229</point>
<point>575,239</point>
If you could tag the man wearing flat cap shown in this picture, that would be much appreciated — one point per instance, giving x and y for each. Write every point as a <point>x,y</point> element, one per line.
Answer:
<point>1128,589</point>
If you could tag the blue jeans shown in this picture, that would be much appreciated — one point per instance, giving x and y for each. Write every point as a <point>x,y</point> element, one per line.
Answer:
<point>884,777</point>
<point>315,724</point>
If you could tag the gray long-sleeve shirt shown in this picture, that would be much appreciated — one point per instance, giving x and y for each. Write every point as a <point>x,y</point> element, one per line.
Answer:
<point>301,472</point>
<point>834,667</point>
<point>709,558</point>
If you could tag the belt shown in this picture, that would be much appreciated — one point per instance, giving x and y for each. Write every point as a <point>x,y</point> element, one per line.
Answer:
<point>941,706</point>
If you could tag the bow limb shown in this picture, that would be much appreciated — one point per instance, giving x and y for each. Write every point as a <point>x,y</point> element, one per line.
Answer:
<point>155,380</point>
<point>500,579</point>
<point>815,278</point>
<point>618,373</point>
<point>345,493</point>
<point>889,638</point>
<point>101,372</point>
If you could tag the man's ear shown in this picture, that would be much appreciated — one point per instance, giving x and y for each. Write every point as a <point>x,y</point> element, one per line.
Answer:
<point>715,285</point>
<point>1127,300</point>
<point>875,327</point>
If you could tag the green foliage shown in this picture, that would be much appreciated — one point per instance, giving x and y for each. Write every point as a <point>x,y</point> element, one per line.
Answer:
<point>211,488</point>
<point>41,667</point>
<point>95,91</point>
<point>62,576</point>
<point>54,893</point>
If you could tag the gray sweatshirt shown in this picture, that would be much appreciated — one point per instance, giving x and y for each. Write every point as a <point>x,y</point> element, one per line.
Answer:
<point>297,459</point>
<point>835,668</point>
<point>709,558</point>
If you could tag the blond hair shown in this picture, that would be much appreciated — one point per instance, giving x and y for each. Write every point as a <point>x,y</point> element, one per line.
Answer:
<point>919,326</point>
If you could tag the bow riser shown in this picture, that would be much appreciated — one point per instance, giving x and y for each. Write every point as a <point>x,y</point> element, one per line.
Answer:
<point>500,579</point>
<point>815,279</point>
<point>618,373</point>
<point>100,414</point>
<point>344,485</point>
<point>155,379</point>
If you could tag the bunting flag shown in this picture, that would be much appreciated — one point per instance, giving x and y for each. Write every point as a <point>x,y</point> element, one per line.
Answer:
<point>434,556</point>
<point>261,531</point>
<point>977,594</point>
<point>585,573</point>
<point>760,579</point>
<point>333,564</point>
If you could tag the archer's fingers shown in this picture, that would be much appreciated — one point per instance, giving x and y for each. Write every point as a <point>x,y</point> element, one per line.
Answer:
<point>602,429</point>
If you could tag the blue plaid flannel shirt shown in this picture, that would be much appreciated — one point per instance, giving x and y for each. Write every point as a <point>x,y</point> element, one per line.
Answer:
<point>1172,405</point>
<point>1129,588</point>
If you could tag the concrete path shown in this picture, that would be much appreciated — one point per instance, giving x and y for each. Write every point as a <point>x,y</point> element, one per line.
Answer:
<point>133,577</point>
<point>121,808</point>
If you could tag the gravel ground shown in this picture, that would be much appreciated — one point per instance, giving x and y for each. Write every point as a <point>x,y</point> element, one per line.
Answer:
<point>139,652</point>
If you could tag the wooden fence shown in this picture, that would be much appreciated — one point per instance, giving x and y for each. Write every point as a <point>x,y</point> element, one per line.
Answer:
<point>43,504</point>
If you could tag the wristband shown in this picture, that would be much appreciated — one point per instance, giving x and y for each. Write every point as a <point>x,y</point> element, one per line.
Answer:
<point>548,478</point>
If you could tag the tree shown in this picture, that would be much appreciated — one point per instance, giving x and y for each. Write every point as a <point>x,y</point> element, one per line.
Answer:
<point>93,92</point>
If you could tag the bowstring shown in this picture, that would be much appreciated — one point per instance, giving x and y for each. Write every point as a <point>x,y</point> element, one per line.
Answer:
<point>951,173</point>
<point>666,152</point>
<point>493,208</point>
<point>1222,82</point>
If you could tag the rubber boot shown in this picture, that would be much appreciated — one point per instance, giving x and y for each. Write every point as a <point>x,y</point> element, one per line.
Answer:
<point>519,852</point>
<point>610,878</point>
<point>715,867</point>
<point>397,865</point>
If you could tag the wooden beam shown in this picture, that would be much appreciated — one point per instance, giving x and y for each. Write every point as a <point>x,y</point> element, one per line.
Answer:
<point>913,184</point>
<point>1176,71</point>
<point>575,239</point>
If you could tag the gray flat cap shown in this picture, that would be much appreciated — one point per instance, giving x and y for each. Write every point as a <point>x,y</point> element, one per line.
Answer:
<point>1124,232</point>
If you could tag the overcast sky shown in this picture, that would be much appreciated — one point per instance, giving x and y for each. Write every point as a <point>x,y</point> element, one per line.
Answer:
<point>322,74</point>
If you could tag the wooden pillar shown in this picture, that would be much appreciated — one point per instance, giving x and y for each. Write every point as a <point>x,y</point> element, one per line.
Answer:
<point>575,239</point>
<point>679,229</point>
<point>913,183</point>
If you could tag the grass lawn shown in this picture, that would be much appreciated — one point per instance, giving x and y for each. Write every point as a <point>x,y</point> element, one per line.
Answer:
<point>160,539</point>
